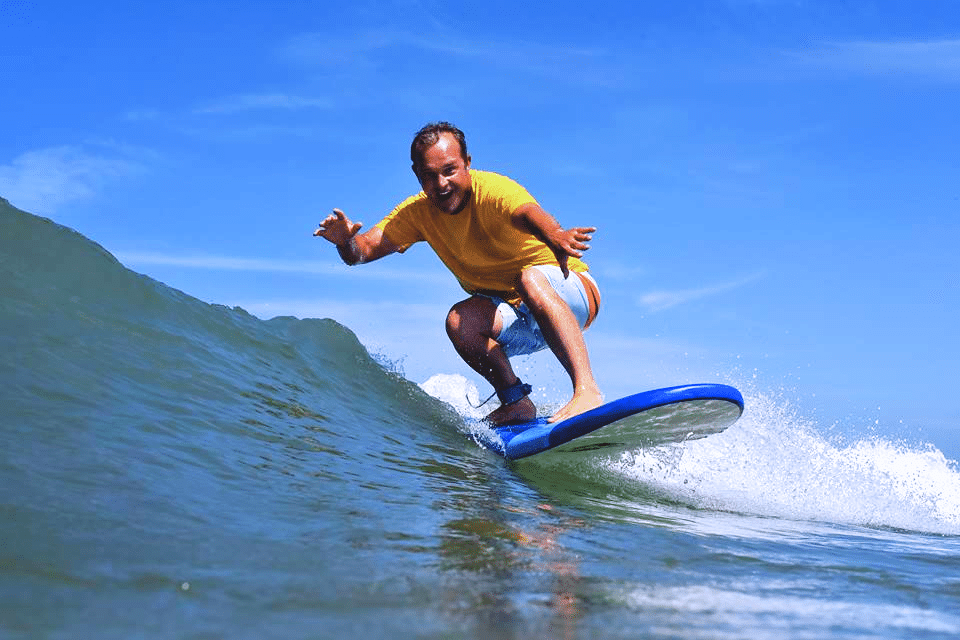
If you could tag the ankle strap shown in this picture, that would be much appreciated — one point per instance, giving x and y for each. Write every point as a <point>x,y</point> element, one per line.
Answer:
<point>514,393</point>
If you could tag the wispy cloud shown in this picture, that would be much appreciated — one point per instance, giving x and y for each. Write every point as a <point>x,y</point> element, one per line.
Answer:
<point>931,58</point>
<point>323,49</point>
<point>265,101</point>
<point>224,263</point>
<point>43,180</point>
<point>270,265</point>
<point>662,300</point>
<point>370,50</point>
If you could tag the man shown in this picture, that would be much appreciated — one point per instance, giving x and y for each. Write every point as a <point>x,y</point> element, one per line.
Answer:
<point>528,287</point>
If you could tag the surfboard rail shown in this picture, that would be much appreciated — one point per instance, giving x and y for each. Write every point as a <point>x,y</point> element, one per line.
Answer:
<point>686,412</point>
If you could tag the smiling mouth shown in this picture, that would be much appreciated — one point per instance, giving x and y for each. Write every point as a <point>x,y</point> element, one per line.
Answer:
<point>445,197</point>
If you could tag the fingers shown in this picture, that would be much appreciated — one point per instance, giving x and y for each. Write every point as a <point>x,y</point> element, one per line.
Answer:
<point>337,228</point>
<point>571,243</point>
<point>583,234</point>
<point>578,237</point>
<point>336,216</point>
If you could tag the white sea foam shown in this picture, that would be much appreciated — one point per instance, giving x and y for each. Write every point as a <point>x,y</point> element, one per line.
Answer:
<point>736,614</point>
<point>458,392</point>
<point>774,463</point>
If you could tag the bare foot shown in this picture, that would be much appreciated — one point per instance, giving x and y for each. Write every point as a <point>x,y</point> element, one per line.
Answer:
<point>583,400</point>
<point>522,410</point>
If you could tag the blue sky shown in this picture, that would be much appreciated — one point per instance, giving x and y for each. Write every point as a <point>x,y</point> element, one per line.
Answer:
<point>776,184</point>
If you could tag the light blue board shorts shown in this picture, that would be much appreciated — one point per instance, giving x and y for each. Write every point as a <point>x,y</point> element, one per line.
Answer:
<point>520,334</point>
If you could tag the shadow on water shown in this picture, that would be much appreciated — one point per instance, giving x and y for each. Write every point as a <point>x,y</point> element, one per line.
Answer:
<point>500,554</point>
<point>513,543</point>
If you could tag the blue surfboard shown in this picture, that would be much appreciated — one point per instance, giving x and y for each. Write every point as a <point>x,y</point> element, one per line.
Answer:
<point>651,418</point>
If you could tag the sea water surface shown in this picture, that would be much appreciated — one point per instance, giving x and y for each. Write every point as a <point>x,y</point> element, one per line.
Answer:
<point>175,469</point>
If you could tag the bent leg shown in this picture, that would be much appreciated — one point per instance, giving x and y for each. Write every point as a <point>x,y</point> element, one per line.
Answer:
<point>473,325</point>
<point>565,337</point>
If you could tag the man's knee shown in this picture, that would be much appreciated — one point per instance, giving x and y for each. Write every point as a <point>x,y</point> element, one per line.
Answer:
<point>454,320</point>
<point>473,316</point>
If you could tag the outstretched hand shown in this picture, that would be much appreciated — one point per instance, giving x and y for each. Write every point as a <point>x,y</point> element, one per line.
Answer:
<point>567,243</point>
<point>564,243</point>
<point>338,228</point>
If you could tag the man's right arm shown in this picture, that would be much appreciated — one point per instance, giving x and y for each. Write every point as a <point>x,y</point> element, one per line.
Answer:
<point>353,247</point>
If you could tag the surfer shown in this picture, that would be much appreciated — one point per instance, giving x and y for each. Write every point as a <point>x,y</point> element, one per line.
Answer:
<point>529,289</point>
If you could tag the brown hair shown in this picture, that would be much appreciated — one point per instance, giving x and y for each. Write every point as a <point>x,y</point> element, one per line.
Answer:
<point>428,136</point>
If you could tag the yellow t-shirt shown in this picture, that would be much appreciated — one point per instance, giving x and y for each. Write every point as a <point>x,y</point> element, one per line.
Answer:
<point>480,245</point>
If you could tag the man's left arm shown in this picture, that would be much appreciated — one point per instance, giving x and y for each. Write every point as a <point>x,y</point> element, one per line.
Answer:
<point>564,243</point>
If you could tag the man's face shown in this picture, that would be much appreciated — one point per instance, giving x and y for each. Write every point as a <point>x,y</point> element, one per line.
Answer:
<point>445,175</point>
